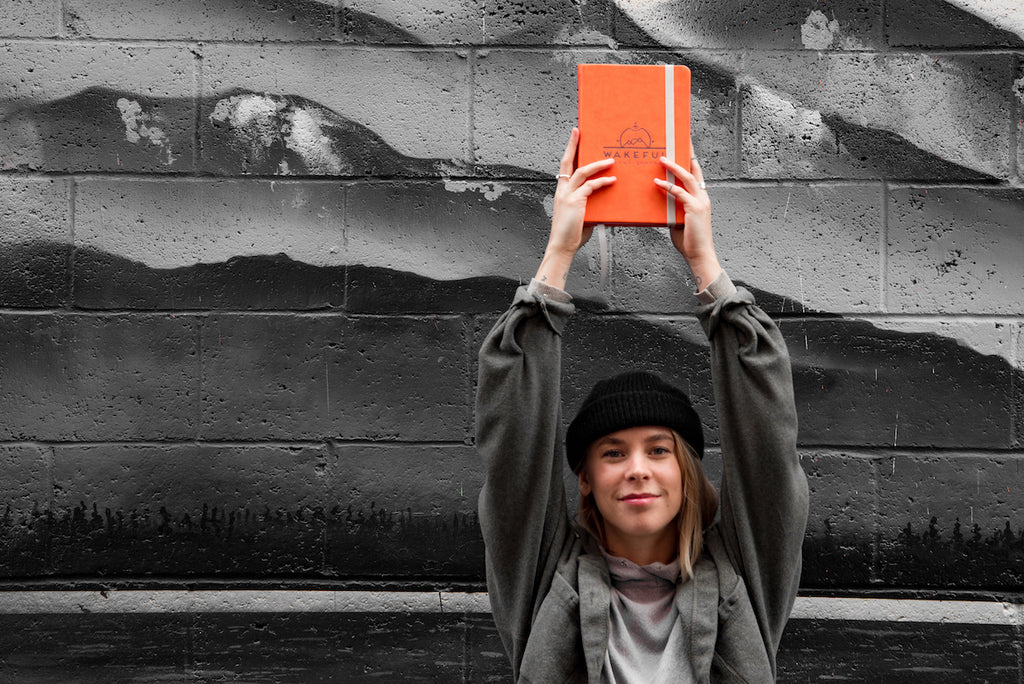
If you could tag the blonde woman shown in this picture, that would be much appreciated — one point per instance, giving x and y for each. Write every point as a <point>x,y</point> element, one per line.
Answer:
<point>643,586</point>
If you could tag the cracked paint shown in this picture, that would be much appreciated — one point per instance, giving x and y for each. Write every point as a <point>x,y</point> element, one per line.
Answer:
<point>138,126</point>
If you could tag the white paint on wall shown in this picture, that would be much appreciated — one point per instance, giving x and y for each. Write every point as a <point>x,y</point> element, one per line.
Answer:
<point>387,91</point>
<point>819,32</point>
<point>1018,88</point>
<point>490,191</point>
<point>307,139</point>
<point>138,126</point>
<point>253,113</point>
<point>252,118</point>
<point>259,121</point>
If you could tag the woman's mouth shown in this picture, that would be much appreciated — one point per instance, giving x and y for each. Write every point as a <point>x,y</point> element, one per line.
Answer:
<point>640,498</point>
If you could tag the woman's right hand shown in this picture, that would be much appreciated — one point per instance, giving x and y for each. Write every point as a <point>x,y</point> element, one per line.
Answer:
<point>567,231</point>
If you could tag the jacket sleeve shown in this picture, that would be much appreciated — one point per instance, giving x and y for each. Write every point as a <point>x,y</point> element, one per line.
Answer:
<point>764,489</point>
<point>522,504</point>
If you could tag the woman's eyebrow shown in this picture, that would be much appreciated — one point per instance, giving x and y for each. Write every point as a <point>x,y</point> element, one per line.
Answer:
<point>660,436</point>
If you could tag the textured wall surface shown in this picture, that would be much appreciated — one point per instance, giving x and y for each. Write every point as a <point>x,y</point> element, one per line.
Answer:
<point>248,250</point>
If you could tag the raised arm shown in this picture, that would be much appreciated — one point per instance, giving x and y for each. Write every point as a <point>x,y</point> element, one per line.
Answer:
<point>764,489</point>
<point>522,504</point>
<point>568,233</point>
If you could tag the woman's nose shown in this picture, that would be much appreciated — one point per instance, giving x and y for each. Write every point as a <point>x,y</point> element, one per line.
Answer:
<point>638,467</point>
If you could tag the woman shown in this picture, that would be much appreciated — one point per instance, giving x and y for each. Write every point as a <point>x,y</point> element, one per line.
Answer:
<point>643,587</point>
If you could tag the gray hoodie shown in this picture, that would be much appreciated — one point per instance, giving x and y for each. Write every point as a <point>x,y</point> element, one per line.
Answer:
<point>548,581</point>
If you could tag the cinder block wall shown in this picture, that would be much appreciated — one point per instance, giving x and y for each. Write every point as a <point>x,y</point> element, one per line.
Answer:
<point>248,251</point>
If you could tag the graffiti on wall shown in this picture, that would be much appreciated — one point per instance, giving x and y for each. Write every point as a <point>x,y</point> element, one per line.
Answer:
<point>240,325</point>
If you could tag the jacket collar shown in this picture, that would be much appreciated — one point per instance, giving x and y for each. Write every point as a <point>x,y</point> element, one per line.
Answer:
<point>697,603</point>
<point>696,600</point>
<point>595,597</point>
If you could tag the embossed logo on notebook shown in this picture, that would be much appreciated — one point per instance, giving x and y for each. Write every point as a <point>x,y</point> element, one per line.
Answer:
<point>635,142</point>
<point>635,136</point>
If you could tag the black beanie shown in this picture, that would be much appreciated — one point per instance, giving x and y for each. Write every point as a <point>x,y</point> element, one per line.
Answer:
<point>630,400</point>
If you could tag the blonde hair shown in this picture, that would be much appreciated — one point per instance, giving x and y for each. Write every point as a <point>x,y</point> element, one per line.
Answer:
<point>696,514</point>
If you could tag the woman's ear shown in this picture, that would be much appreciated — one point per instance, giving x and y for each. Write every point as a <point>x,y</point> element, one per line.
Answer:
<point>584,482</point>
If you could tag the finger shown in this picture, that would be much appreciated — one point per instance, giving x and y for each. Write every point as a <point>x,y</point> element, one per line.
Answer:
<point>585,172</point>
<point>565,166</point>
<point>676,191</point>
<point>671,188</point>
<point>588,188</point>
<point>687,178</point>
<point>698,172</point>
<point>674,167</point>
<point>692,204</point>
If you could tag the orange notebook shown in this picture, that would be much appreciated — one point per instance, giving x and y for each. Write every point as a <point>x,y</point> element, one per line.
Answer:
<point>634,114</point>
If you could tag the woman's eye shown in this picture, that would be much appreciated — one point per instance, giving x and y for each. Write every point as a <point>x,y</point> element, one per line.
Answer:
<point>660,451</point>
<point>612,454</point>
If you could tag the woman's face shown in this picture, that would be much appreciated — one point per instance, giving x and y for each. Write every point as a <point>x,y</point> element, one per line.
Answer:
<point>637,486</point>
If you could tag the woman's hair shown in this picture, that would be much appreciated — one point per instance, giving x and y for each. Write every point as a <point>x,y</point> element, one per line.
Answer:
<point>697,513</point>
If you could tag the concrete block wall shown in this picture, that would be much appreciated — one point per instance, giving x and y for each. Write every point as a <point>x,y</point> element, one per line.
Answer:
<point>248,251</point>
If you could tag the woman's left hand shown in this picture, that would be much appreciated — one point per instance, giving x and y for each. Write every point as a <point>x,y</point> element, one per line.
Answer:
<point>693,239</point>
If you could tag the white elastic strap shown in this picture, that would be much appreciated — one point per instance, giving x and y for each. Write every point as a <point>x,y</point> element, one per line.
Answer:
<point>602,242</point>
<point>670,140</point>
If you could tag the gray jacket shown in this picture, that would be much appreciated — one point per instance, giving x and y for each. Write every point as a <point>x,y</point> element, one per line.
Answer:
<point>548,582</point>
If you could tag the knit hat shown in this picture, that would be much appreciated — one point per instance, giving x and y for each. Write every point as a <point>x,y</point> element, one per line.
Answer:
<point>630,400</point>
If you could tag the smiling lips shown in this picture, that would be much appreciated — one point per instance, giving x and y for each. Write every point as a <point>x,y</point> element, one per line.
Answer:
<point>639,498</point>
